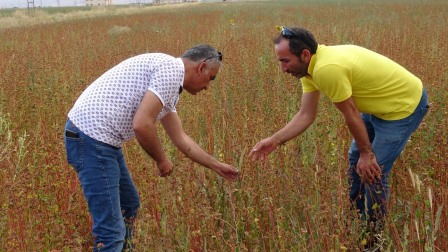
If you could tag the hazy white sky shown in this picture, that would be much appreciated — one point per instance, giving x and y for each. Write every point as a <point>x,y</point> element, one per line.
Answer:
<point>56,3</point>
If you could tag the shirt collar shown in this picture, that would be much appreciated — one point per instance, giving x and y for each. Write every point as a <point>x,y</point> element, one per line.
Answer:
<point>182,82</point>
<point>313,62</point>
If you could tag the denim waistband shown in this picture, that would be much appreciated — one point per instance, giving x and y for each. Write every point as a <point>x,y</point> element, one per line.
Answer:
<point>72,127</point>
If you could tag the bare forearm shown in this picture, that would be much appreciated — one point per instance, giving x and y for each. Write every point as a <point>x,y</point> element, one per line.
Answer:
<point>356,125</point>
<point>301,121</point>
<point>194,152</point>
<point>150,143</point>
<point>367,166</point>
<point>293,129</point>
<point>144,126</point>
<point>359,133</point>
<point>171,123</point>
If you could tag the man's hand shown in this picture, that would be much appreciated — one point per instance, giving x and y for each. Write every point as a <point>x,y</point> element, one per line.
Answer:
<point>227,171</point>
<point>368,168</point>
<point>173,127</point>
<point>165,168</point>
<point>263,148</point>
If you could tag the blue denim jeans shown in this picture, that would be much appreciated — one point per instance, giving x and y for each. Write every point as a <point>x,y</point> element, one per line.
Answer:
<point>388,140</point>
<point>110,193</point>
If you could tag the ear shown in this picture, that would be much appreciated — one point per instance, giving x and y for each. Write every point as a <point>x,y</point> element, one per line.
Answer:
<point>201,67</point>
<point>305,56</point>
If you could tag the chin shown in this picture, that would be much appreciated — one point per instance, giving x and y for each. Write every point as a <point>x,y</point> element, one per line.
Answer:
<point>191,92</point>
<point>299,76</point>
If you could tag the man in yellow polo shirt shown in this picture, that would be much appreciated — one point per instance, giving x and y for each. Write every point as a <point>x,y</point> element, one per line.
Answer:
<point>382,104</point>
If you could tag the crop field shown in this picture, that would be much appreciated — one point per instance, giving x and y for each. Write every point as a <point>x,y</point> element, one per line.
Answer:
<point>296,201</point>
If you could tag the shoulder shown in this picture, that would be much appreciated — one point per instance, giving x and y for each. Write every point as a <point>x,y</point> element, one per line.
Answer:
<point>152,58</point>
<point>334,59</point>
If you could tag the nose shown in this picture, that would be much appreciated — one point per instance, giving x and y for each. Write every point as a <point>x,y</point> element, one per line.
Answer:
<point>283,67</point>
<point>206,85</point>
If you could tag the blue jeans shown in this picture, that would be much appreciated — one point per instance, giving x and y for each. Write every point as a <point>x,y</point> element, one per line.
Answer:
<point>110,193</point>
<point>388,140</point>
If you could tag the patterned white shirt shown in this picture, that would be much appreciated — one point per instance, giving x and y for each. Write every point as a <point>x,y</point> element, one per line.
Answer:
<point>105,110</point>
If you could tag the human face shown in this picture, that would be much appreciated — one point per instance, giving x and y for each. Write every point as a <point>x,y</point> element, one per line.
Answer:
<point>204,74</point>
<point>290,63</point>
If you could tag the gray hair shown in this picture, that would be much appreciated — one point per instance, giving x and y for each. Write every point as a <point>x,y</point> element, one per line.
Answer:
<point>202,52</point>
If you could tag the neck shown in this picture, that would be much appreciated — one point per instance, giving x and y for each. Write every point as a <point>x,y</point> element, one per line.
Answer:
<point>190,68</point>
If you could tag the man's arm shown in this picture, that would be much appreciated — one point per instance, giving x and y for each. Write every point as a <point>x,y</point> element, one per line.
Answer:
<point>301,121</point>
<point>173,126</point>
<point>145,128</point>
<point>367,167</point>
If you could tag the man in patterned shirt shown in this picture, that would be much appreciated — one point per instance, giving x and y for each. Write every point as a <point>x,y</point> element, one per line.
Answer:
<point>123,103</point>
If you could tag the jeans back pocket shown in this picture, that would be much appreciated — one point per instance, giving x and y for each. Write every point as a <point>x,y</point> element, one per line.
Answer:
<point>422,113</point>
<point>74,148</point>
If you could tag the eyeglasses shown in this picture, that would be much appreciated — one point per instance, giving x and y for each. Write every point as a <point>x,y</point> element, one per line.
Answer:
<point>287,33</point>
<point>219,56</point>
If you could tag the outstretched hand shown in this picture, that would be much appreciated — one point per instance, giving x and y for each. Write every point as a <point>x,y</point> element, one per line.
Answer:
<point>227,171</point>
<point>262,149</point>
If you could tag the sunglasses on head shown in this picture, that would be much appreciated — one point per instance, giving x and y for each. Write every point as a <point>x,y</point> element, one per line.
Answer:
<point>219,56</point>
<point>287,33</point>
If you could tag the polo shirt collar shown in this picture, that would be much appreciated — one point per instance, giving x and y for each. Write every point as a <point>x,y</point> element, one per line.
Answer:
<point>313,62</point>
<point>182,82</point>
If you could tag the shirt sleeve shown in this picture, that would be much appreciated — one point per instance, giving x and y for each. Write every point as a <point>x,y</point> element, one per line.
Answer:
<point>307,85</point>
<point>165,82</point>
<point>334,82</point>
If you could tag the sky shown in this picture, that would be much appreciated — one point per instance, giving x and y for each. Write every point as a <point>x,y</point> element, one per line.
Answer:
<point>56,3</point>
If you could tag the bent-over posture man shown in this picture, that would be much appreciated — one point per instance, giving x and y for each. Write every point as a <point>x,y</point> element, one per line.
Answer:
<point>382,104</point>
<point>124,102</point>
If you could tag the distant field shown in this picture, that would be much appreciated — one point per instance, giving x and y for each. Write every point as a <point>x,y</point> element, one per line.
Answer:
<point>10,18</point>
<point>297,201</point>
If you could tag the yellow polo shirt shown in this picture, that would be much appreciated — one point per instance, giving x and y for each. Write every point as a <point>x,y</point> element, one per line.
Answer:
<point>378,85</point>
